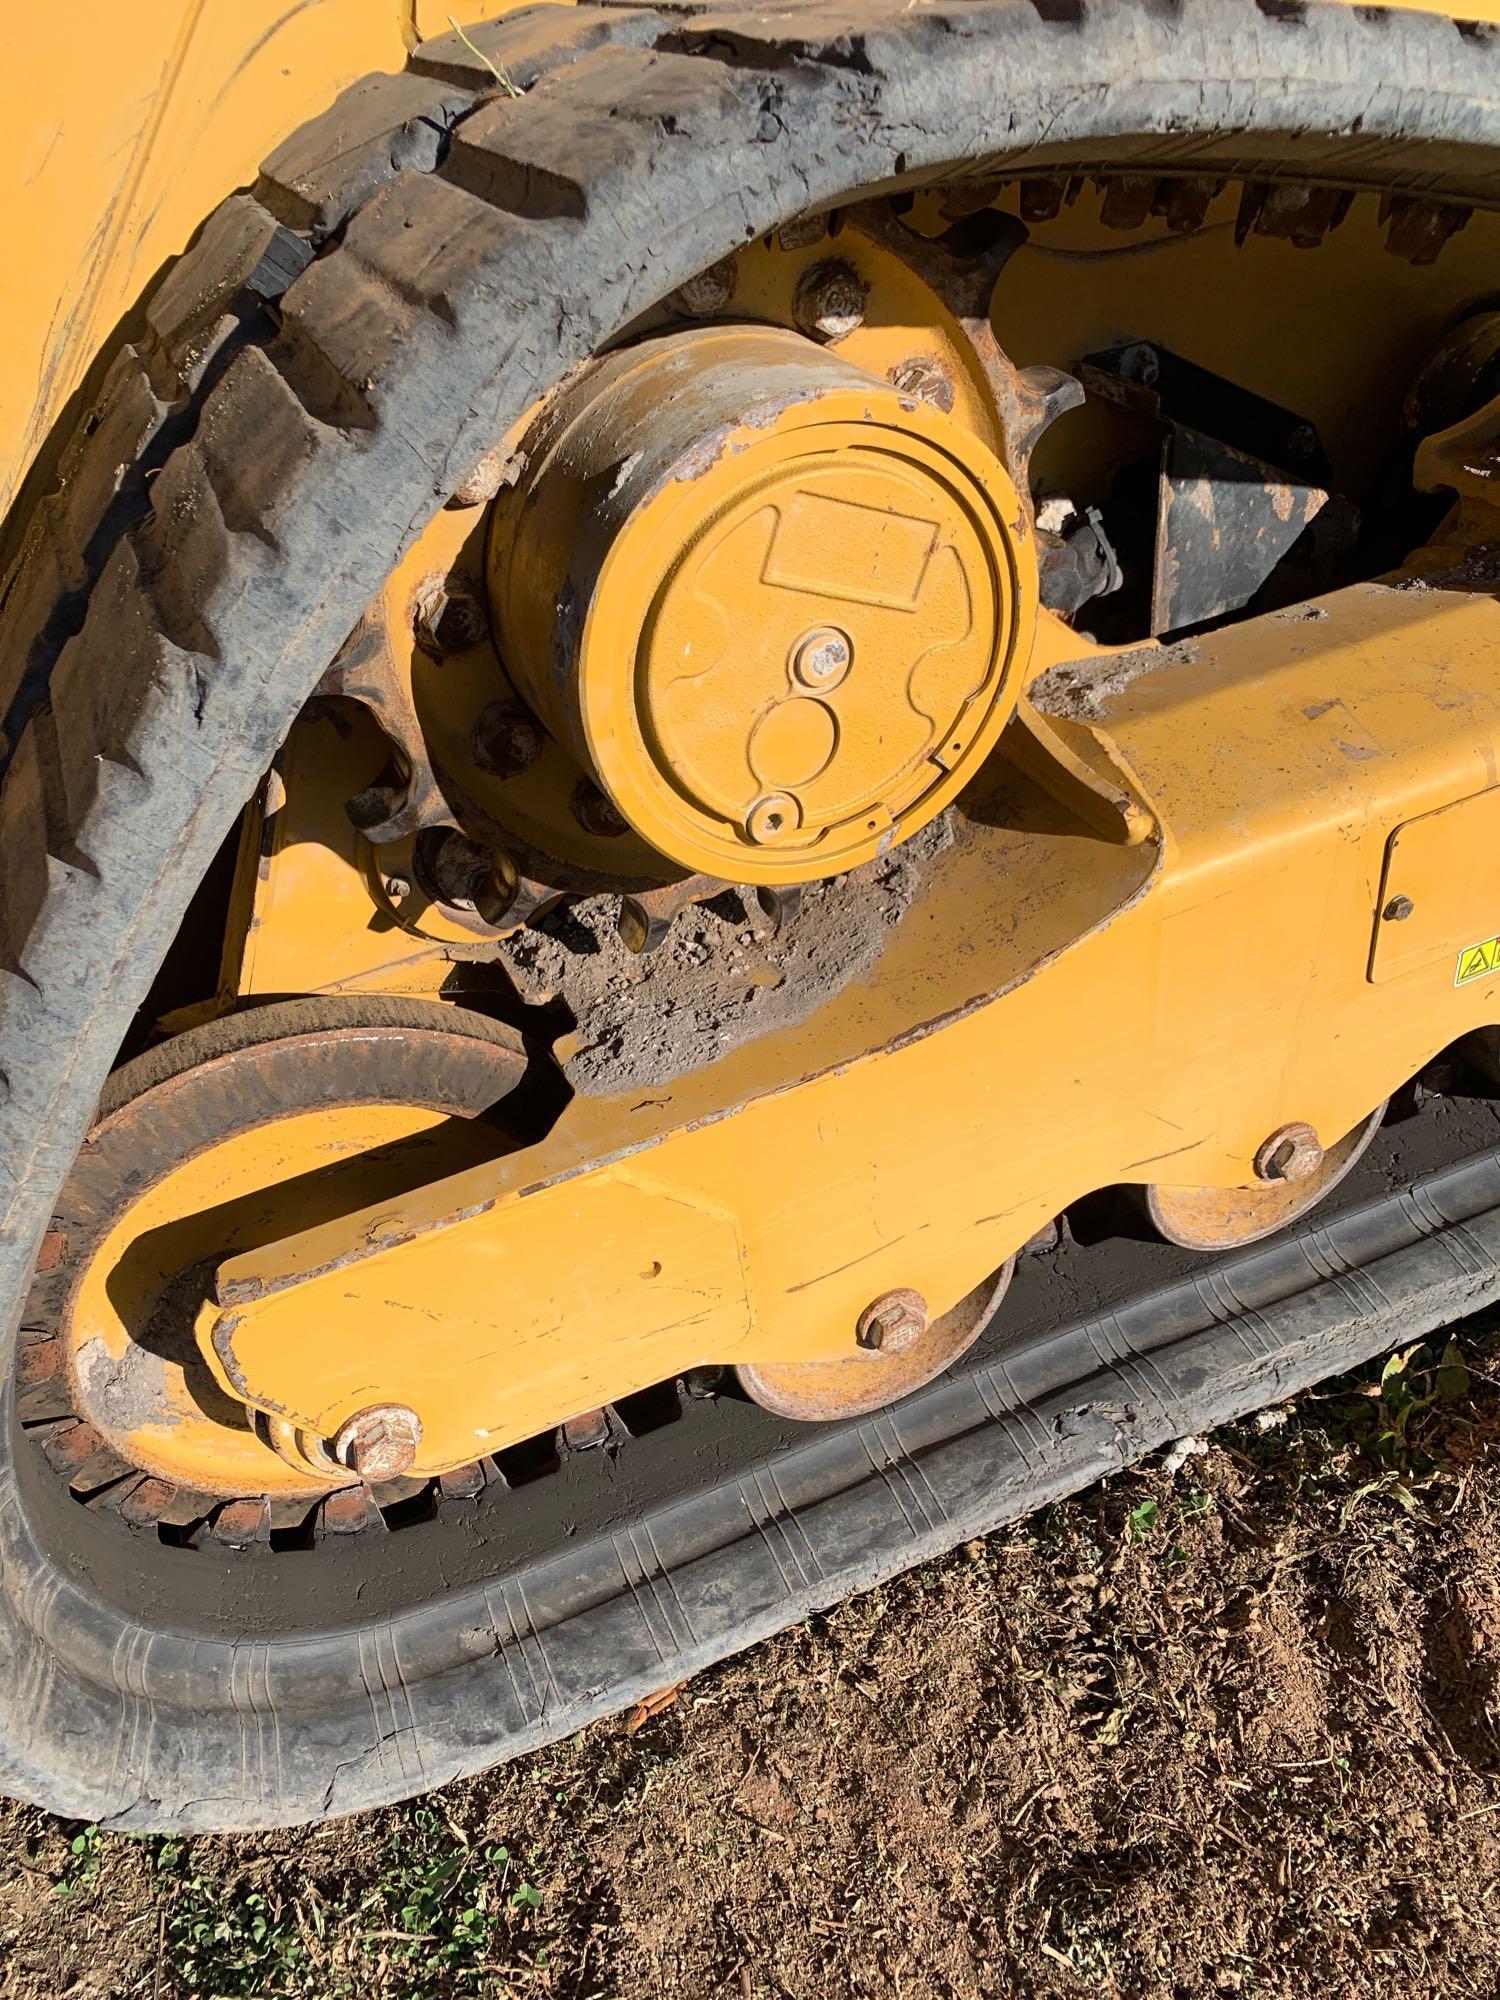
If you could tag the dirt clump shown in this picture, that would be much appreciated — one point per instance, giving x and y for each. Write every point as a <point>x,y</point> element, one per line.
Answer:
<point>724,975</point>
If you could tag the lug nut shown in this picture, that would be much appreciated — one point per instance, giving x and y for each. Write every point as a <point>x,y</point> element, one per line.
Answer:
<point>595,813</point>
<point>379,1443</point>
<point>925,380</point>
<point>772,818</point>
<point>892,1323</point>
<point>829,302</point>
<point>448,614</point>
<point>506,739</point>
<point>1292,1153</point>
<point>822,657</point>
<point>708,292</point>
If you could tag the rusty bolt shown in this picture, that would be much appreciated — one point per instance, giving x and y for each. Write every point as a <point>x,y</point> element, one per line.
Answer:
<point>924,379</point>
<point>595,813</point>
<point>708,292</point>
<point>1398,909</point>
<point>829,302</point>
<point>822,657</point>
<point>506,739</point>
<point>1292,1153</point>
<point>448,614</point>
<point>396,887</point>
<point>802,232</point>
<point>892,1323</point>
<point>379,1443</point>
<point>772,818</point>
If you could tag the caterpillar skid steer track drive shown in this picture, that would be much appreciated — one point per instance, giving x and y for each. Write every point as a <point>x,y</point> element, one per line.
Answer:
<point>750,813</point>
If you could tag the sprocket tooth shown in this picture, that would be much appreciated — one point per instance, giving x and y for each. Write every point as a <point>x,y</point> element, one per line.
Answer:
<point>348,1512</point>
<point>464,1482</point>
<point>241,1524</point>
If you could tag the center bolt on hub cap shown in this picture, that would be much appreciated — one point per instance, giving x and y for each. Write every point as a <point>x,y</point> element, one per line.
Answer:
<point>777,610</point>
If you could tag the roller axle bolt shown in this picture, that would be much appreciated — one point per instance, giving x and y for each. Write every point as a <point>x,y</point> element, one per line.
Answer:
<point>1292,1153</point>
<point>379,1443</point>
<point>892,1323</point>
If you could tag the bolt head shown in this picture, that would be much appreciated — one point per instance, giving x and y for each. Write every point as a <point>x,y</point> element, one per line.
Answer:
<point>1398,909</point>
<point>925,380</point>
<point>506,739</point>
<point>822,657</point>
<point>448,614</point>
<point>829,302</point>
<point>708,292</point>
<point>1291,1153</point>
<point>379,1443</point>
<point>772,818</point>
<point>893,1323</point>
<point>397,888</point>
<point>597,814</point>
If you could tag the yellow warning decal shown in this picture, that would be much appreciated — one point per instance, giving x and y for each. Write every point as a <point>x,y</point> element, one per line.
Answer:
<point>1475,960</point>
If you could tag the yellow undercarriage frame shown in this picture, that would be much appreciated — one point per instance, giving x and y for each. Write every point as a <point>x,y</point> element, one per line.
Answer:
<point>1243,889</point>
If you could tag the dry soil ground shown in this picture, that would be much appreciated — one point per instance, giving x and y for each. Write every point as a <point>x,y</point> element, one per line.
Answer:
<point>1224,1729</point>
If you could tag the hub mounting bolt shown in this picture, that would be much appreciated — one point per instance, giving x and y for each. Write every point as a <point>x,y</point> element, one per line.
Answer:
<point>821,658</point>
<point>448,614</point>
<point>595,813</point>
<point>1292,1153</point>
<point>709,291</point>
<point>925,380</point>
<point>506,739</point>
<point>379,1443</point>
<point>829,302</point>
<point>893,1323</point>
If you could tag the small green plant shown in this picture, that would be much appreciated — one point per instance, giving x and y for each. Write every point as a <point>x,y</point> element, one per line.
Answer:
<point>81,1869</point>
<point>1142,1519</point>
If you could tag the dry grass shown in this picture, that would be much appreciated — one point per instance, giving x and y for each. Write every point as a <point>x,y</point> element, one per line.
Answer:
<point>1231,1729</point>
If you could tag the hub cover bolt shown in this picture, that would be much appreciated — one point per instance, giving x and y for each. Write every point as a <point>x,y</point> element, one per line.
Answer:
<point>379,1443</point>
<point>829,302</point>
<point>772,818</point>
<point>506,739</point>
<point>821,657</point>
<point>1292,1153</point>
<point>448,614</point>
<point>925,380</point>
<point>892,1323</point>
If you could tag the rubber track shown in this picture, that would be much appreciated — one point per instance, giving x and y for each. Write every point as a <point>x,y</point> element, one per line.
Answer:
<point>340,348</point>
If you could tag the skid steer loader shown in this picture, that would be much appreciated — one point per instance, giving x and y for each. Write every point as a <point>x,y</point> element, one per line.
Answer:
<point>750,812</point>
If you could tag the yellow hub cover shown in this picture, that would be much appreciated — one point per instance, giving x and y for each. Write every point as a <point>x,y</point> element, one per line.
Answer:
<point>780,610</point>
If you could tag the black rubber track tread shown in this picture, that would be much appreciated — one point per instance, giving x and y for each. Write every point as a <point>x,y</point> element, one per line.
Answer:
<point>472,249</point>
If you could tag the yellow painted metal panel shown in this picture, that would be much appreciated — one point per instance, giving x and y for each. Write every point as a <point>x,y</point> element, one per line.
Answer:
<point>1440,896</point>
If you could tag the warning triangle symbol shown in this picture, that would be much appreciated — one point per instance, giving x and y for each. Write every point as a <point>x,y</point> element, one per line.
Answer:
<point>1474,961</point>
